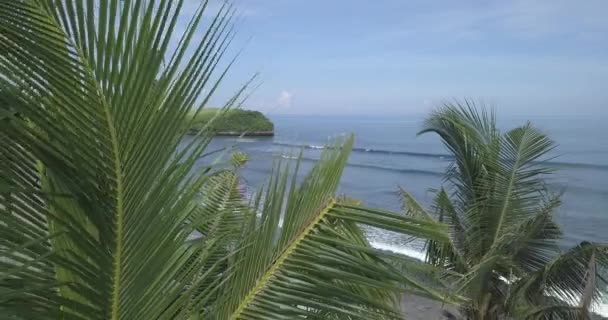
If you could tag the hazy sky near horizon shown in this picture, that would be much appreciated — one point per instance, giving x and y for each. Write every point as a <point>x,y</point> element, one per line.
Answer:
<point>403,57</point>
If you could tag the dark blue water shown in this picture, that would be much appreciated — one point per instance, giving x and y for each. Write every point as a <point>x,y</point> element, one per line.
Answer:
<point>388,153</point>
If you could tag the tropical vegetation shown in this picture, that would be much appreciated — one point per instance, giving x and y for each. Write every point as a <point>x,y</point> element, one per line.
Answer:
<point>106,212</point>
<point>504,252</point>
<point>232,122</point>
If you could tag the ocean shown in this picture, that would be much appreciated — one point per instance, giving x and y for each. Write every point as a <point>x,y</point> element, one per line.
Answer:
<point>388,153</point>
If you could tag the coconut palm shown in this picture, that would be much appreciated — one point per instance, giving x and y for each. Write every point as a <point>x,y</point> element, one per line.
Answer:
<point>107,212</point>
<point>504,252</point>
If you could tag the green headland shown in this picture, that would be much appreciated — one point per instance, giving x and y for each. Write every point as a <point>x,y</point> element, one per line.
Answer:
<point>235,122</point>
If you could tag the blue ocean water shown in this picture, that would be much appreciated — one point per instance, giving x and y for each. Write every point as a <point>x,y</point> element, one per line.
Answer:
<point>388,153</point>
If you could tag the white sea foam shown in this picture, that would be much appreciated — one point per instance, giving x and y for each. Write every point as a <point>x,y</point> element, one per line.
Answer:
<point>602,308</point>
<point>410,252</point>
<point>289,157</point>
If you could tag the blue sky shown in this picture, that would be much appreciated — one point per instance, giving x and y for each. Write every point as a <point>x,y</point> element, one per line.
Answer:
<point>405,57</point>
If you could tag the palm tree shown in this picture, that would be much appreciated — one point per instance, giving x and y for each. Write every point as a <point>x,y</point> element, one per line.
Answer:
<point>105,212</point>
<point>503,253</point>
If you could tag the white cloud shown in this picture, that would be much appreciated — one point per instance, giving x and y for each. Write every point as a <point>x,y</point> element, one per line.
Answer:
<point>285,98</point>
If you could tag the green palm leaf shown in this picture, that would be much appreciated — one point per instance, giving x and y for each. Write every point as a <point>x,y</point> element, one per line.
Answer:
<point>105,216</point>
<point>519,184</point>
<point>504,241</point>
<point>446,254</point>
<point>92,156</point>
<point>556,312</point>
<point>308,258</point>
<point>472,137</point>
<point>575,277</point>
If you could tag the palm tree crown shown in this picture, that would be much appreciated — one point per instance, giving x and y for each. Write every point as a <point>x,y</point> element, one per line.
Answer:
<point>503,253</point>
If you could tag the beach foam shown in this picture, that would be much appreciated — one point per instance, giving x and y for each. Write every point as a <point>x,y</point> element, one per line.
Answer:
<point>602,308</point>
<point>410,252</point>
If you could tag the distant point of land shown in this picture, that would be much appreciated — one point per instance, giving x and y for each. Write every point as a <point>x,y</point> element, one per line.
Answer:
<point>234,122</point>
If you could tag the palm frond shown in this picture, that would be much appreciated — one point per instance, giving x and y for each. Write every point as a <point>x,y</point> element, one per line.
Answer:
<point>534,241</point>
<point>223,208</point>
<point>91,156</point>
<point>307,256</point>
<point>501,217</point>
<point>574,277</point>
<point>556,312</point>
<point>519,185</point>
<point>470,134</point>
<point>447,254</point>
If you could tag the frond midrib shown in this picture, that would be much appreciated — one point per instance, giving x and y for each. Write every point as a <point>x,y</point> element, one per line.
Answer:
<point>119,213</point>
<point>505,206</point>
<point>118,171</point>
<point>277,264</point>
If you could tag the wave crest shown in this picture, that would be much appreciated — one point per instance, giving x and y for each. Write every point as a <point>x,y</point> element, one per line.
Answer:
<point>441,156</point>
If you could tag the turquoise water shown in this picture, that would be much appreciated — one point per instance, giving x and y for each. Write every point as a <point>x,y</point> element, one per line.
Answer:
<point>388,153</point>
